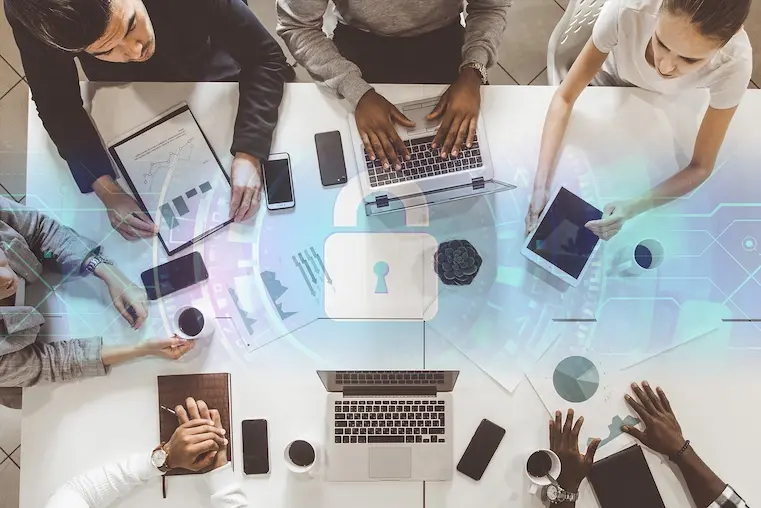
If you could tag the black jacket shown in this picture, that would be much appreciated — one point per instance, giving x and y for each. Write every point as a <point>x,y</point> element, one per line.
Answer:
<point>196,41</point>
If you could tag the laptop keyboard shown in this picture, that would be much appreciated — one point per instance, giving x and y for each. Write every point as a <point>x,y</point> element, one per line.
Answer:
<point>424,162</point>
<point>389,377</point>
<point>389,421</point>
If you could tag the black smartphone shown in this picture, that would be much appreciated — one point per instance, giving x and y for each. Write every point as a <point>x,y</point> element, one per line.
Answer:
<point>278,184</point>
<point>174,275</point>
<point>481,449</point>
<point>330,158</point>
<point>256,455</point>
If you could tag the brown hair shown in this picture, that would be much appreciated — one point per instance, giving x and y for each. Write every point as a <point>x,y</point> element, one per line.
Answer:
<point>717,19</point>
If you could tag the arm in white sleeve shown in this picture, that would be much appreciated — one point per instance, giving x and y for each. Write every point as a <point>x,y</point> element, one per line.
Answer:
<point>102,486</point>
<point>225,490</point>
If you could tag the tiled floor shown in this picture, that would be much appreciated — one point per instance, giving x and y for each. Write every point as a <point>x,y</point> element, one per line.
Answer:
<point>522,61</point>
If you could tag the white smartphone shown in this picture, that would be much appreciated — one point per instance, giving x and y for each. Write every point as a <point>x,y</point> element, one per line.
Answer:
<point>278,184</point>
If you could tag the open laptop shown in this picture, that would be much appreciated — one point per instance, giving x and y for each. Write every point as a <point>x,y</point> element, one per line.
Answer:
<point>389,425</point>
<point>426,178</point>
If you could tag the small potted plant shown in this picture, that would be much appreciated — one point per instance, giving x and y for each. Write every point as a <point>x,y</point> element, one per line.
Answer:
<point>457,262</point>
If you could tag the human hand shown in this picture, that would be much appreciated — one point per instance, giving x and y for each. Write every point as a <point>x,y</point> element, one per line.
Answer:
<point>125,295</point>
<point>613,218</point>
<point>539,200</point>
<point>375,122</point>
<point>662,433</point>
<point>199,410</point>
<point>192,444</point>
<point>458,111</point>
<point>123,211</point>
<point>172,348</point>
<point>246,176</point>
<point>564,441</point>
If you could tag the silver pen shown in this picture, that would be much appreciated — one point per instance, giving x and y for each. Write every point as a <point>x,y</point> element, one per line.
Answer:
<point>168,410</point>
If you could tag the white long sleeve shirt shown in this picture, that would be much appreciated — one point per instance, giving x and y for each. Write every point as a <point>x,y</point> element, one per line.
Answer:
<point>102,486</point>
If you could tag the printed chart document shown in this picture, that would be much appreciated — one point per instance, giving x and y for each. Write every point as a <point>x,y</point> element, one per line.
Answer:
<point>176,178</point>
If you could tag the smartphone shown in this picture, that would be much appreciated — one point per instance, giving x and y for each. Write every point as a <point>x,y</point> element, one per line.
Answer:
<point>278,184</point>
<point>481,449</point>
<point>330,158</point>
<point>256,455</point>
<point>174,275</point>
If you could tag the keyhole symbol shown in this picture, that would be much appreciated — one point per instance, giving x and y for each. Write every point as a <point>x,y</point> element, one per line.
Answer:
<point>381,270</point>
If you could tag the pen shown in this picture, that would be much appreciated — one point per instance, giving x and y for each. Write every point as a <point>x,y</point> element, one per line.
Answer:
<point>168,410</point>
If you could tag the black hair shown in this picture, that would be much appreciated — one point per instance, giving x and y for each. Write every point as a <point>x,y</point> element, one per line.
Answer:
<point>717,19</point>
<point>71,25</point>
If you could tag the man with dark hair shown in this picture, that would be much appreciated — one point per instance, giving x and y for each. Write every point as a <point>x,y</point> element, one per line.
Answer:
<point>148,40</point>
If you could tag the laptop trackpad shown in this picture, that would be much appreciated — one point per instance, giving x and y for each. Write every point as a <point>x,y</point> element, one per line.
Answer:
<point>390,463</point>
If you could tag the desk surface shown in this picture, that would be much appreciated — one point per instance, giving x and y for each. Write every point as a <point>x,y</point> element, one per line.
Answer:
<point>620,143</point>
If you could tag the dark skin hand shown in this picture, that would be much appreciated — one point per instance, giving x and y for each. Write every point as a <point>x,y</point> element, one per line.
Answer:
<point>458,111</point>
<point>663,434</point>
<point>564,441</point>
<point>375,122</point>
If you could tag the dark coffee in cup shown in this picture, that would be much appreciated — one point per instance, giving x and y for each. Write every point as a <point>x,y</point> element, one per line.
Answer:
<point>539,464</point>
<point>301,453</point>
<point>191,321</point>
<point>643,256</point>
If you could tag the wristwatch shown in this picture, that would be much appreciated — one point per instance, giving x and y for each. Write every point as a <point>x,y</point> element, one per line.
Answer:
<point>555,494</point>
<point>480,68</point>
<point>159,458</point>
<point>94,259</point>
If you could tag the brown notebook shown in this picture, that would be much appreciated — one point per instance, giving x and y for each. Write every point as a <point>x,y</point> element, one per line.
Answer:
<point>213,389</point>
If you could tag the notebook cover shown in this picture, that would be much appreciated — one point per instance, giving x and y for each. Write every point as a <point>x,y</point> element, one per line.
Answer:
<point>213,389</point>
<point>624,480</point>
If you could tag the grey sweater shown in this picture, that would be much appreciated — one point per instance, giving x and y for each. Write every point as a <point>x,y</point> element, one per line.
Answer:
<point>300,25</point>
<point>28,237</point>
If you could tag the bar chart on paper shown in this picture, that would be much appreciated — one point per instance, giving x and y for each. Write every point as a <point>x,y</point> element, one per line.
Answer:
<point>180,206</point>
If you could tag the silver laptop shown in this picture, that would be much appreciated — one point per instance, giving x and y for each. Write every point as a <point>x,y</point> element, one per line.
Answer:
<point>389,425</point>
<point>426,178</point>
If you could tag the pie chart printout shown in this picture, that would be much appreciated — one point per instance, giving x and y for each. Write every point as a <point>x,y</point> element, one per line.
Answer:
<point>576,379</point>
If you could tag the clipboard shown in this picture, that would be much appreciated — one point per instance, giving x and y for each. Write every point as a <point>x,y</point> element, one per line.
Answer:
<point>176,203</point>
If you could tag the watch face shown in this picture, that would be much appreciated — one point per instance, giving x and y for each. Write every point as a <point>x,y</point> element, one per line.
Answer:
<point>158,458</point>
<point>552,492</point>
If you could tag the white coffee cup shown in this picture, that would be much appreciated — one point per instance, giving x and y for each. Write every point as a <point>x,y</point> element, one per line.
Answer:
<point>297,455</point>
<point>537,482</point>
<point>193,323</point>
<point>638,258</point>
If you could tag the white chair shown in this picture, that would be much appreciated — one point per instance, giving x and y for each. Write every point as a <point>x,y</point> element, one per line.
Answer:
<point>569,37</point>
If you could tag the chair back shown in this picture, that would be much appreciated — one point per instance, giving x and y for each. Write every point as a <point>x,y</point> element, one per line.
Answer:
<point>569,37</point>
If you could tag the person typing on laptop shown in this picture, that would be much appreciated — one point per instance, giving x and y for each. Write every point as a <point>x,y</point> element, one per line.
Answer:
<point>662,434</point>
<point>148,40</point>
<point>197,444</point>
<point>401,41</point>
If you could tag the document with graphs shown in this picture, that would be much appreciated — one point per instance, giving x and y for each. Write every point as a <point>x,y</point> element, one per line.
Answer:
<point>176,177</point>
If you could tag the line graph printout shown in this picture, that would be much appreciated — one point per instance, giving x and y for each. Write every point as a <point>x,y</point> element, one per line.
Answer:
<point>177,178</point>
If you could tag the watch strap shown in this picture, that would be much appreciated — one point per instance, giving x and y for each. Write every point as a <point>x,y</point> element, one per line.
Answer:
<point>480,68</point>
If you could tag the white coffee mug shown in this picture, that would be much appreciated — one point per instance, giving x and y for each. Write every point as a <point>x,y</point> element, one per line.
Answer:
<point>302,471</point>
<point>536,482</point>
<point>627,264</point>
<point>205,323</point>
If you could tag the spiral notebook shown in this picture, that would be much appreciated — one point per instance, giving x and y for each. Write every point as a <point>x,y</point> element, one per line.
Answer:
<point>213,389</point>
<point>624,480</point>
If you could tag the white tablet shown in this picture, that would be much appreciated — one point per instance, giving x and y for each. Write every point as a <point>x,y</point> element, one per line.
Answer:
<point>560,243</point>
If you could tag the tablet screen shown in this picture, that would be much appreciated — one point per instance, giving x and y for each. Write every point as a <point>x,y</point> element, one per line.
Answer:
<point>561,237</point>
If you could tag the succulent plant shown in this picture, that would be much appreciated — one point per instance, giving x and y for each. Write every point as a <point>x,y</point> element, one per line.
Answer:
<point>457,262</point>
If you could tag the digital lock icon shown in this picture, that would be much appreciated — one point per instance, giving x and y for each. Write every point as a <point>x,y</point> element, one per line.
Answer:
<point>379,275</point>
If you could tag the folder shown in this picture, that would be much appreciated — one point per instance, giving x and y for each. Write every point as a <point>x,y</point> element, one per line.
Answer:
<point>624,480</point>
<point>213,389</point>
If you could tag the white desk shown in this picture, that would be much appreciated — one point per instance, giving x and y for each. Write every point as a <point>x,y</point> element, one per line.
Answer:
<point>619,143</point>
